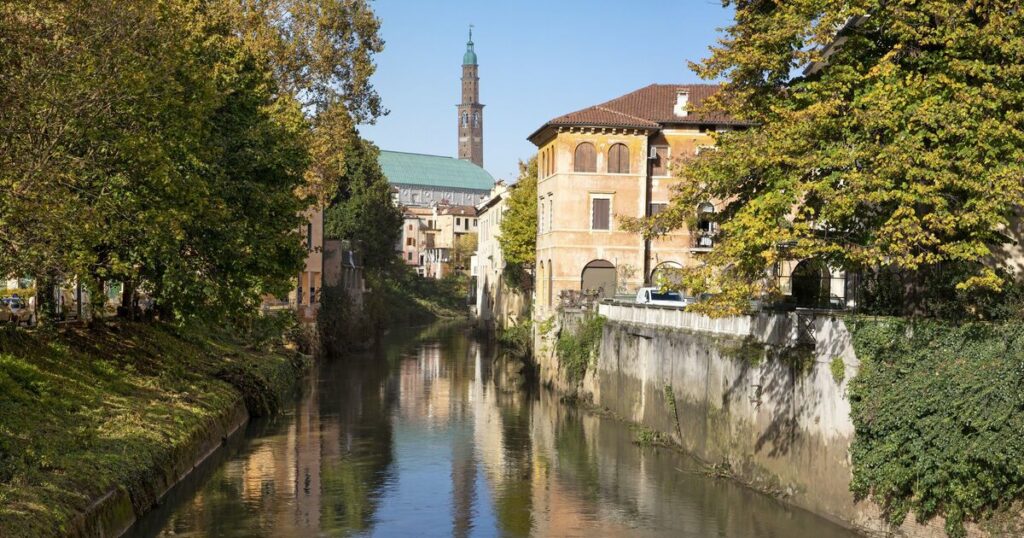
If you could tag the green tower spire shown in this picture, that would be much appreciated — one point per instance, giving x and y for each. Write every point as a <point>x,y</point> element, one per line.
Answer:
<point>470,57</point>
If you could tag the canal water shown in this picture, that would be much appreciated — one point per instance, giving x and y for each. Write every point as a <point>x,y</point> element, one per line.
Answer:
<point>436,435</point>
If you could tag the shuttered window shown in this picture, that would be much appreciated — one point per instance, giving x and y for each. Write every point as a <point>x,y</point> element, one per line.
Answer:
<point>585,158</point>
<point>601,209</point>
<point>659,164</point>
<point>618,159</point>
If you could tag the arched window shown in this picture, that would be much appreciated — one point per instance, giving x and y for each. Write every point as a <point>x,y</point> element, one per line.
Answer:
<point>705,217</point>
<point>618,159</point>
<point>705,226</point>
<point>476,119</point>
<point>465,119</point>
<point>599,276</point>
<point>585,159</point>
<point>551,283</point>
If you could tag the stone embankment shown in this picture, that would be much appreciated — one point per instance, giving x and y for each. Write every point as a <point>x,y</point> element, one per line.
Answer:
<point>760,398</point>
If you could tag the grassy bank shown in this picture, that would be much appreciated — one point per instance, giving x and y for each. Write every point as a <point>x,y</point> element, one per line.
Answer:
<point>83,411</point>
<point>402,297</point>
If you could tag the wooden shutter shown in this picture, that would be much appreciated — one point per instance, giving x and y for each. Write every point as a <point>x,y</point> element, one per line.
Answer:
<point>618,159</point>
<point>601,218</point>
<point>585,158</point>
<point>659,165</point>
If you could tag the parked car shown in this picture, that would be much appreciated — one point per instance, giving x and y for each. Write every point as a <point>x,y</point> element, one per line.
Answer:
<point>654,296</point>
<point>14,310</point>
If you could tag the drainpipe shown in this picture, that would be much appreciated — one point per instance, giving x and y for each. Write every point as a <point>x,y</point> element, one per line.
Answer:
<point>648,194</point>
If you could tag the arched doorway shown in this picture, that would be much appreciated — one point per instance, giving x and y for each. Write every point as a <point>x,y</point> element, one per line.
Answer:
<point>599,276</point>
<point>667,273</point>
<point>811,283</point>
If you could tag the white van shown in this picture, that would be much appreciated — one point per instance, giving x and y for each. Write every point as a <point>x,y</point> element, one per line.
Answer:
<point>654,296</point>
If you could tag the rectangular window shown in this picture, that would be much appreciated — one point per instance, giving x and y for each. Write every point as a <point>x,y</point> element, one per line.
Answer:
<point>409,256</point>
<point>458,221</point>
<point>656,207</point>
<point>410,241</point>
<point>659,164</point>
<point>600,214</point>
<point>309,237</point>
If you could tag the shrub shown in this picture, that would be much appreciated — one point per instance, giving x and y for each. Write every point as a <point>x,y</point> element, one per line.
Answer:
<point>576,348</point>
<point>518,338</point>
<point>939,415</point>
<point>838,368</point>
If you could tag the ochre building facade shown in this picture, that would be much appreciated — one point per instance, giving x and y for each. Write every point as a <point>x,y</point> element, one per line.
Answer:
<point>616,160</point>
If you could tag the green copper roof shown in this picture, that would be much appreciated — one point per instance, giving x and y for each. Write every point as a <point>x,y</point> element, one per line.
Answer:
<point>433,171</point>
<point>469,58</point>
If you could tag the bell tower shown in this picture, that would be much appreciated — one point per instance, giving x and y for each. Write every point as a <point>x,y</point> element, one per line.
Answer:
<point>471,112</point>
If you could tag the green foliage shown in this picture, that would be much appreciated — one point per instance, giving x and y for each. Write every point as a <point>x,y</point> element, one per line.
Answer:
<point>465,248</point>
<point>83,411</point>
<point>838,368</point>
<point>576,348</point>
<point>644,436</point>
<point>546,326</point>
<point>885,155</point>
<point>518,228</point>
<point>517,339</point>
<point>173,145</point>
<point>362,211</point>
<point>938,411</point>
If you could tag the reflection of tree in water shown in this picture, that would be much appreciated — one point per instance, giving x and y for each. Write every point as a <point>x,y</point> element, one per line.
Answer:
<point>577,461</point>
<point>514,502</point>
<point>357,442</point>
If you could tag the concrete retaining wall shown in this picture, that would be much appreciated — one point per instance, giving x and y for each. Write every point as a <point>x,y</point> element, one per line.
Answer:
<point>756,393</point>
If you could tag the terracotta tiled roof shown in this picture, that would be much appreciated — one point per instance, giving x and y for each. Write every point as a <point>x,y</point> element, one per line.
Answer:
<point>647,108</point>
<point>459,210</point>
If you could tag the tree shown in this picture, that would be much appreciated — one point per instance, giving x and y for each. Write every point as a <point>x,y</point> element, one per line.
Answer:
<point>518,228</point>
<point>363,211</point>
<point>162,145</point>
<point>465,248</point>
<point>886,153</point>
<point>321,52</point>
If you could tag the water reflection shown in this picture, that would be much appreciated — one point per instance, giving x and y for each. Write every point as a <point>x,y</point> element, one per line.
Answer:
<point>435,437</point>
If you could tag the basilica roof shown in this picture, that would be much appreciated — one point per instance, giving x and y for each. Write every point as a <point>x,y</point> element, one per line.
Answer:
<point>433,171</point>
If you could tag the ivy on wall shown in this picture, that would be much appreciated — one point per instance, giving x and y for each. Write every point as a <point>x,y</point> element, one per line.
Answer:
<point>577,347</point>
<point>939,417</point>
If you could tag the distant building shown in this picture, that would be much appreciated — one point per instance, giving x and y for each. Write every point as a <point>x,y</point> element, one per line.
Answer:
<point>438,194</point>
<point>305,296</point>
<point>426,180</point>
<point>497,304</point>
<point>611,160</point>
<point>471,112</point>
<point>429,236</point>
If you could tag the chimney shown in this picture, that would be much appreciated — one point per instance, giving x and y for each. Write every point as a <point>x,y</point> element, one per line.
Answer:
<point>682,103</point>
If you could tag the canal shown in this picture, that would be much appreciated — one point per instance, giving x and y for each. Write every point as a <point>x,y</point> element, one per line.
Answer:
<point>437,436</point>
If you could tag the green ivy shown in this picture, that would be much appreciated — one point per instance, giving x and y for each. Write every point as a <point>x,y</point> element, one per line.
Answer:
<point>838,368</point>
<point>939,417</point>
<point>576,348</point>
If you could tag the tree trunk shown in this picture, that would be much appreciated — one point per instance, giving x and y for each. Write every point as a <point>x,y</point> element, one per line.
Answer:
<point>127,309</point>
<point>46,301</point>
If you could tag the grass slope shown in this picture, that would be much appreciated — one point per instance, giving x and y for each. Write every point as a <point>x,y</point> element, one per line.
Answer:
<point>83,410</point>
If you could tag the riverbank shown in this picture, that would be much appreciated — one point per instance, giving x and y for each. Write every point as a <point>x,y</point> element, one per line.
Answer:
<point>96,424</point>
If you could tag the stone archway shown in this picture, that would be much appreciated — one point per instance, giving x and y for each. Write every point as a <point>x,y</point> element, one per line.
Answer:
<point>599,276</point>
<point>669,272</point>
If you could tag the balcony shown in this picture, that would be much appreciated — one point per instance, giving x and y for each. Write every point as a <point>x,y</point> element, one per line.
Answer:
<point>702,241</point>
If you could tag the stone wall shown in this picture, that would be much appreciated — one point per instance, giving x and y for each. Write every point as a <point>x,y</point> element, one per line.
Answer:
<point>756,394</point>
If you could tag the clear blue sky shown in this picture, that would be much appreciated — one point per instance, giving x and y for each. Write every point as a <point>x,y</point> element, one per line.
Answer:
<point>538,60</point>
